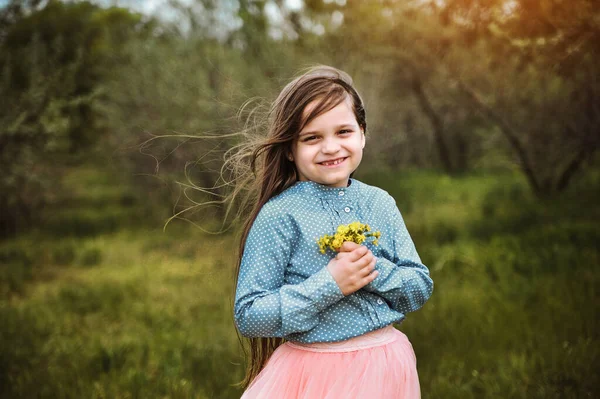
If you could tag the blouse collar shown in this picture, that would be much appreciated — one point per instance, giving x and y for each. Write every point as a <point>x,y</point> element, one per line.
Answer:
<point>322,191</point>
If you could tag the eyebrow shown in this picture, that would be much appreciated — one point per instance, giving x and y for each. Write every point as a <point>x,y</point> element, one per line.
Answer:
<point>343,125</point>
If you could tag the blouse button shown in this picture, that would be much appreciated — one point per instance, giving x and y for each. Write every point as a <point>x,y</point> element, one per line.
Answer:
<point>341,193</point>
<point>379,301</point>
<point>347,209</point>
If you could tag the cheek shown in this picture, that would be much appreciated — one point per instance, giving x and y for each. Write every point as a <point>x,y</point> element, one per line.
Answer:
<point>359,145</point>
<point>307,152</point>
<point>301,158</point>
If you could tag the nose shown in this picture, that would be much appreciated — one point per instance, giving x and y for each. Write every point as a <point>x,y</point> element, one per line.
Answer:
<point>330,146</point>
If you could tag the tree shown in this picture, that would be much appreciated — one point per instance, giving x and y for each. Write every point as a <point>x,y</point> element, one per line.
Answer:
<point>52,60</point>
<point>525,71</point>
<point>539,86</point>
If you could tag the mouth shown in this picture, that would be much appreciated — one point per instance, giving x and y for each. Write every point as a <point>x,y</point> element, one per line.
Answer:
<point>333,162</point>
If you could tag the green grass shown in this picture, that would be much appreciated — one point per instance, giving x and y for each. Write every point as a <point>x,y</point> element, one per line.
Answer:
<point>142,323</point>
<point>127,311</point>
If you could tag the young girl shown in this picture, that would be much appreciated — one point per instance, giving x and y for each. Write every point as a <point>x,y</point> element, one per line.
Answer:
<point>321,324</point>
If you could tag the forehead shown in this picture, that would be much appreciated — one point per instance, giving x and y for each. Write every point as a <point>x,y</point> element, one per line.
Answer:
<point>334,110</point>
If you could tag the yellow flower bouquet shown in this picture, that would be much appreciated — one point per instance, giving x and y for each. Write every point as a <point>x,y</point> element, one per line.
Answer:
<point>354,232</point>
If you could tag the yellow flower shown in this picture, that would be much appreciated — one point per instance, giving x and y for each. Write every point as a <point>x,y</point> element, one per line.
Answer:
<point>355,227</point>
<point>342,229</point>
<point>354,232</point>
<point>324,242</point>
<point>337,242</point>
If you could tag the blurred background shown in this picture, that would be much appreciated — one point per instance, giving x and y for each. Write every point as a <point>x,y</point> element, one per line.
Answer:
<point>484,124</point>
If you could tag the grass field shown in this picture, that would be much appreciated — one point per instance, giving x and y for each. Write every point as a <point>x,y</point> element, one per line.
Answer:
<point>97,304</point>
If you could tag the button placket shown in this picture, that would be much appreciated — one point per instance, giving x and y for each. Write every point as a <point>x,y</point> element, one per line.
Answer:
<point>367,308</point>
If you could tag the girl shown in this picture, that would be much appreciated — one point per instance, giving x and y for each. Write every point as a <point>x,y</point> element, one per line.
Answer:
<point>321,324</point>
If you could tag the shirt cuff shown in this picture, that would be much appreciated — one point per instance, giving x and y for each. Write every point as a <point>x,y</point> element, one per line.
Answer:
<point>322,289</point>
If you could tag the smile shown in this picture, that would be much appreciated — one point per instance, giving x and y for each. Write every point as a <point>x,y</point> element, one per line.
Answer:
<point>333,162</point>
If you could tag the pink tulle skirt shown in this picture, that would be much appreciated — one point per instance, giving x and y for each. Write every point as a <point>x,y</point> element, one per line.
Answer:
<point>380,364</point>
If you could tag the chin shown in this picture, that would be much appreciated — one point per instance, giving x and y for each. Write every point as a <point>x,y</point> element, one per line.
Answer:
<point>336,182</point>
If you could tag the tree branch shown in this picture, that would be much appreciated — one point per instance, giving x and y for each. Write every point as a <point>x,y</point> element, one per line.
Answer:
<point>436,122</point>
<point>509,132</point>
<point>588,144</point>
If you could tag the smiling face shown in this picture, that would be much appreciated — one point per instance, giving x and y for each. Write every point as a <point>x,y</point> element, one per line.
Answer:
<point>329,148</point>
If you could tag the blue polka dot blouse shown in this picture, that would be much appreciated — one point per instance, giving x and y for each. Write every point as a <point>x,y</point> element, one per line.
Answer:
<point>284,288</point>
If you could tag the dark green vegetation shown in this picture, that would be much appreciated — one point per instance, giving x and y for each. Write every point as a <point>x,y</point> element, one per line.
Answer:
<point>135,312</point>
<point>107,306</point>
<point>455,86</point>
<point>514,312</point>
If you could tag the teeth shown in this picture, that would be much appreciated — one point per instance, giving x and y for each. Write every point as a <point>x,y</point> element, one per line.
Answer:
<point>337,161</point>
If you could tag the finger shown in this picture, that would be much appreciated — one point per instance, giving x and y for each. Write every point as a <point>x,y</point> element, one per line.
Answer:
<point>364,260</point>
<point>365,271</point>
<point>340,255</point>
<point>370,277</point>
<point>358,253</point>
<point>349,246</point>
<point>364,253</point>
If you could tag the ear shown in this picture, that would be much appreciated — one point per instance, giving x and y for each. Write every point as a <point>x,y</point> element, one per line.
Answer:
<point>363,139</point>
<point>290,156</point>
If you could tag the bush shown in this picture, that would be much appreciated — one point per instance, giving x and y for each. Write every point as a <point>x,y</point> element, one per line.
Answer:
<point>64,252</point>
<point>16,265</point>
<point>91,257</point>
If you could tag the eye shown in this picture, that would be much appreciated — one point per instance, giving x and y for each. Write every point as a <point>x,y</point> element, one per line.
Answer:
<point>309,138</point>
<point>346,131</point>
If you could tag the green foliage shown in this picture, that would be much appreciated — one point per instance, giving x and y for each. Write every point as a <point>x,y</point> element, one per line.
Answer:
<point>457,83</point>
<point>118,331</point>
<point>52,62</point>
<point>15,268</point>
<point>79,81</point>
<point>22,338</point>
<point>64,253</point>
<point>91,257</point>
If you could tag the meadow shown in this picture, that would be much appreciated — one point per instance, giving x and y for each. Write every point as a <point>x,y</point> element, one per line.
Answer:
<point>99,302</point>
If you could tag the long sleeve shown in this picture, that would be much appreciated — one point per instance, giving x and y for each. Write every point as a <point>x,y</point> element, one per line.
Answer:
<point>403,281</point>
<point>264,305</point>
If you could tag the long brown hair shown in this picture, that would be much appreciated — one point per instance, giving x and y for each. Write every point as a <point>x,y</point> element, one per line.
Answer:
<point>262,168</point>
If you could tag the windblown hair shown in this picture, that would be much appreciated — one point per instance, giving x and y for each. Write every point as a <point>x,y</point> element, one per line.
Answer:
<point>261,167</point>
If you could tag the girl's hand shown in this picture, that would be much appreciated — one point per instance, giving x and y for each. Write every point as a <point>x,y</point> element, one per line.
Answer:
<point>353,269</point>
<point>348,246</point>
